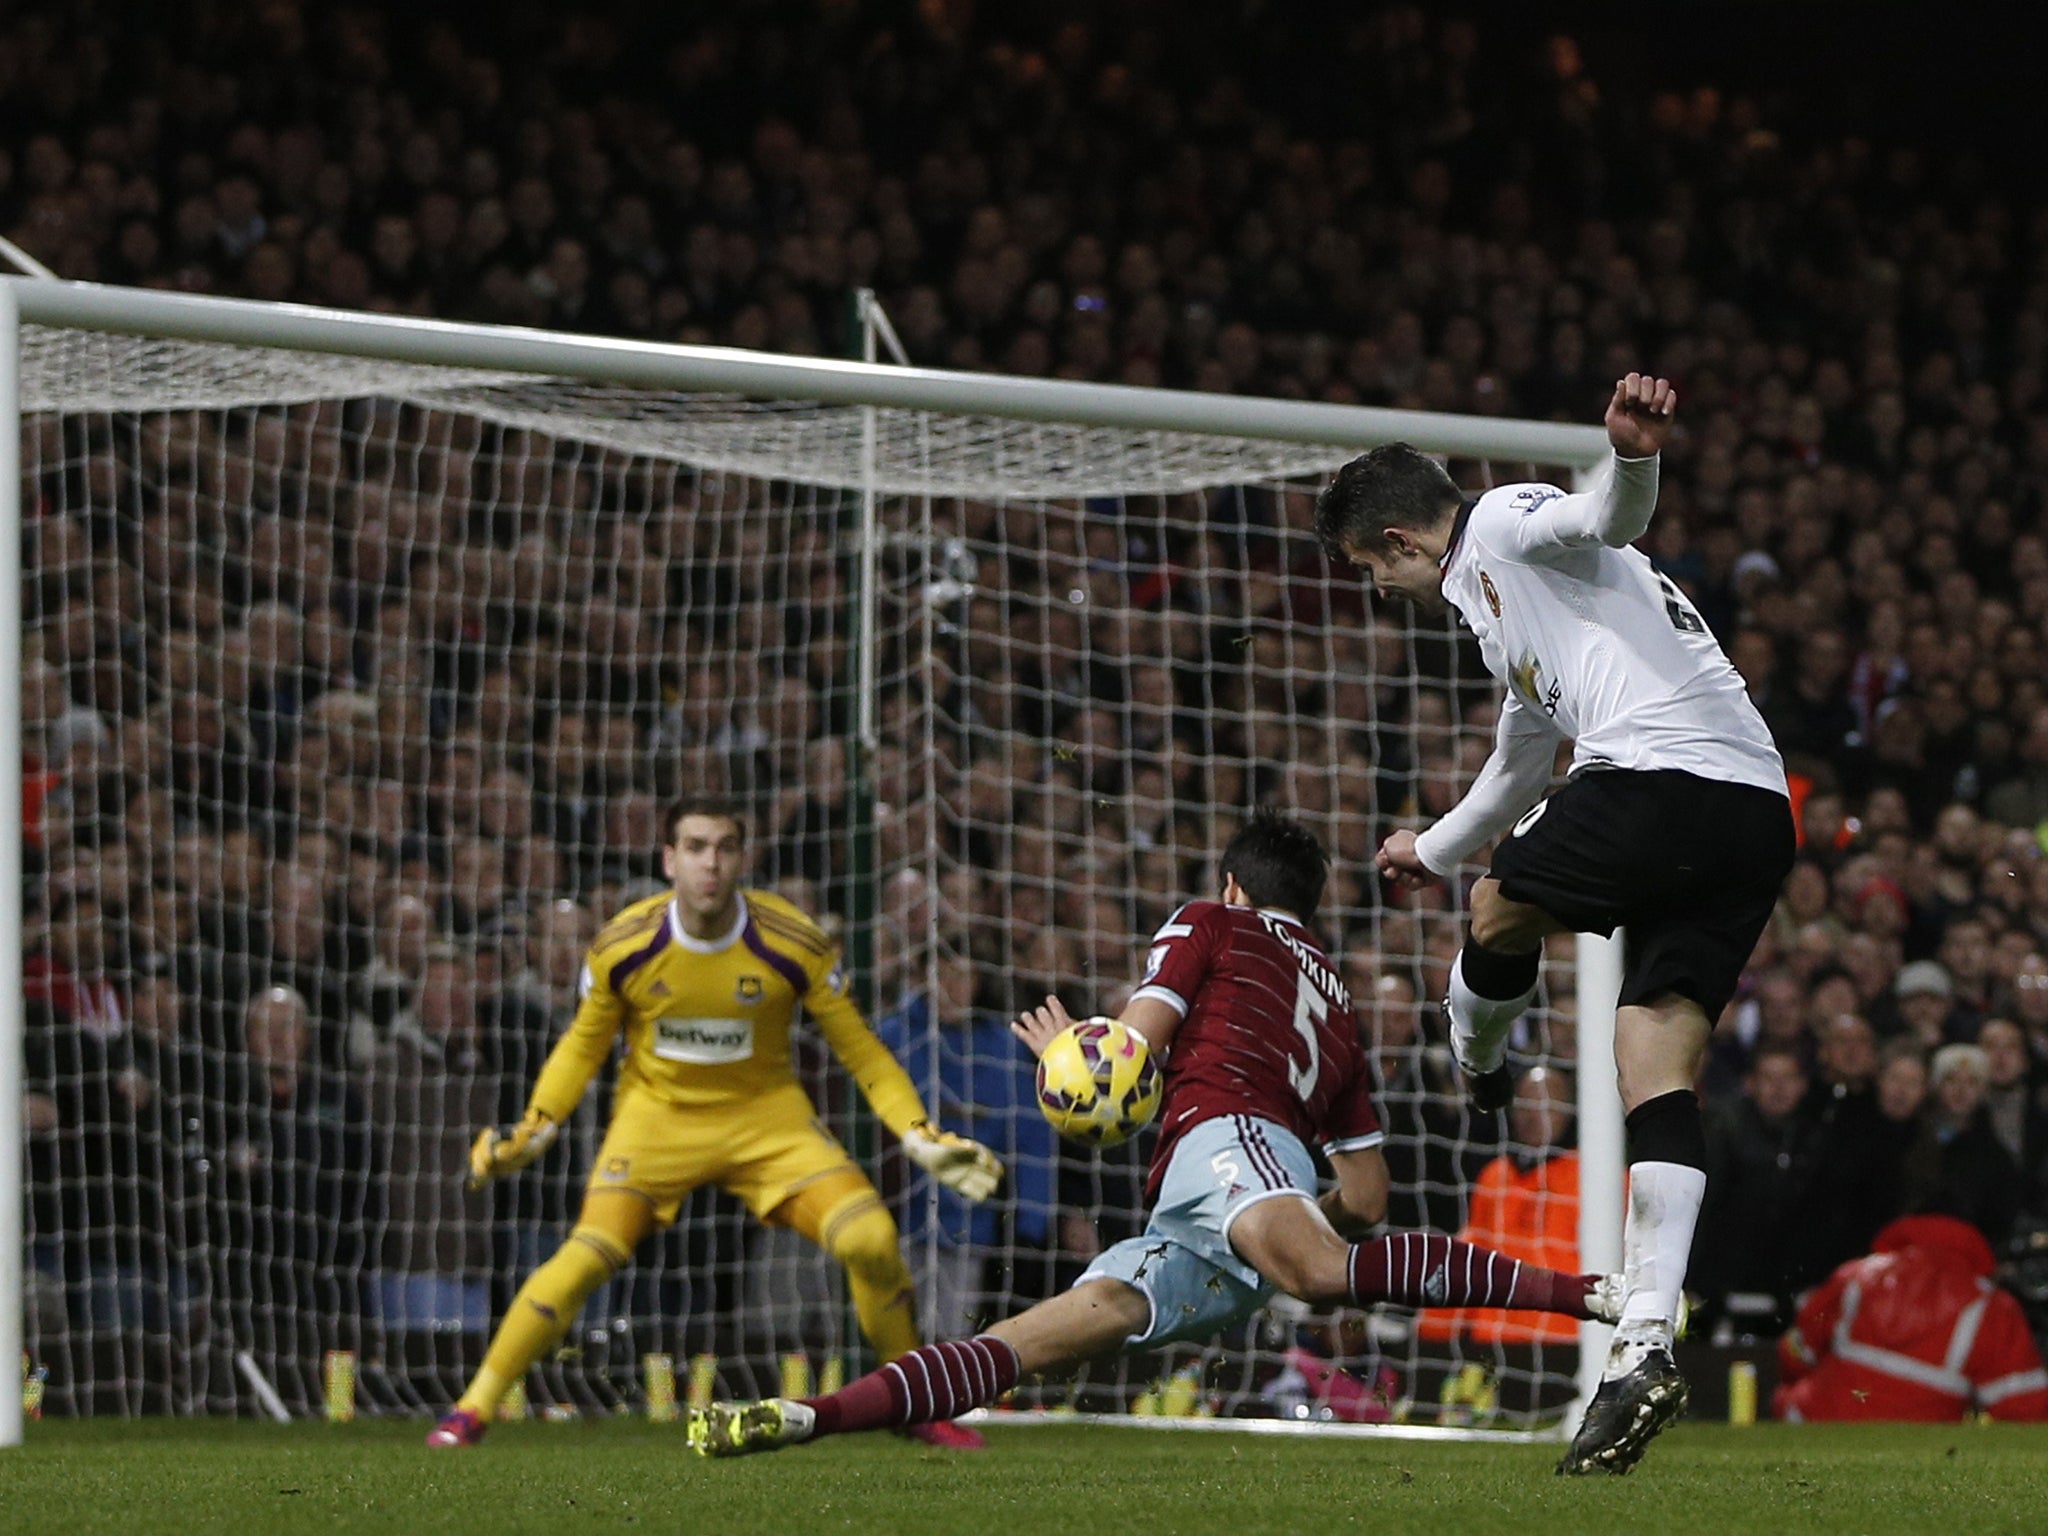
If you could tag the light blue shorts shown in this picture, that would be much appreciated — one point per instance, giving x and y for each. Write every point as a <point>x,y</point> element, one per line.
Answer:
<point>1183,1261</point>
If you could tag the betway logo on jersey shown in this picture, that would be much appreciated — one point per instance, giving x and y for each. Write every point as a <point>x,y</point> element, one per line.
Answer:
<point>1307,958</point>
<point>704,1042</point>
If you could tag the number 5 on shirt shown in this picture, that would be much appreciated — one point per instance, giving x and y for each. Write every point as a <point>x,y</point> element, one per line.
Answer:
<point>1310,1009</point>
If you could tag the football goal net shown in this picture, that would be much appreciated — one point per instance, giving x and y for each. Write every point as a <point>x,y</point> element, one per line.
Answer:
<point>355,658</point>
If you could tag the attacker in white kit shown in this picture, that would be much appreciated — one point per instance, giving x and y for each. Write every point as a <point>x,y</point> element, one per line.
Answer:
<point>1674,826</point>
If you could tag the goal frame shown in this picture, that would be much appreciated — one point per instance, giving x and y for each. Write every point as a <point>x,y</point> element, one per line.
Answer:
<point>708,369</point>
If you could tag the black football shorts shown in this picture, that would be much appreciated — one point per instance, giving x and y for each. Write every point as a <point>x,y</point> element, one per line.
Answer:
<point>1689,869</point>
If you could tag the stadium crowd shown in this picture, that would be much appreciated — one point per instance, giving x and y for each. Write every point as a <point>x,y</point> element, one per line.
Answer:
<point>348,723</point>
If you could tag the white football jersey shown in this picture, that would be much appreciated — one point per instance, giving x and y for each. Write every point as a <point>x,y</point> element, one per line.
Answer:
<point>1599,643</point>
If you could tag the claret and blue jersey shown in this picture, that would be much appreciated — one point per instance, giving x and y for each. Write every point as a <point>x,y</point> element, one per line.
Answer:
<point>1267,1030</point>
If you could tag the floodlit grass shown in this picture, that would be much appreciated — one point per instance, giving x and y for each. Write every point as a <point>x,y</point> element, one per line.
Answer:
<point>161,1477</point>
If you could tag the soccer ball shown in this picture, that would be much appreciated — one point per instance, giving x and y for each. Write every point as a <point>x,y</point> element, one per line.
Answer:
<point>1098,1083</point>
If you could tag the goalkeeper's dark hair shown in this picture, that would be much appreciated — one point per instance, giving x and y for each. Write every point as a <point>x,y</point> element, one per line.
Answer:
<point>1279,862</point>
<point>724,807</point>
<point>1393,486</point>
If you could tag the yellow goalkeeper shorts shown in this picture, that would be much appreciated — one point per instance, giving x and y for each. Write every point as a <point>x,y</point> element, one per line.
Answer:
<point>762,1151</point>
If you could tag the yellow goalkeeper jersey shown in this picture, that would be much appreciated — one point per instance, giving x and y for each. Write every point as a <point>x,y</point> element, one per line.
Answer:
<point>707,1022</point>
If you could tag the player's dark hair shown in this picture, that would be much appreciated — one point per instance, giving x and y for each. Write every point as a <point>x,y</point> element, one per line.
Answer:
<point>1279,863</point>
<point>1392,486</point>
<point>724,807</point>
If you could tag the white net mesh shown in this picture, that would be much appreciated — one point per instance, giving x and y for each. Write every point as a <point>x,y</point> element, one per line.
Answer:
<point>352,692</point>
<point>917,453</point>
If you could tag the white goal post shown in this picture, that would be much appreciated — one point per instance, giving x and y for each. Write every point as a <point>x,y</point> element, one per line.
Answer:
<point>617,397</point>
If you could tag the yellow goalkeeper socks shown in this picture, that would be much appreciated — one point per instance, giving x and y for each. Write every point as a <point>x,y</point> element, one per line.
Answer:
<point>541,1313</point>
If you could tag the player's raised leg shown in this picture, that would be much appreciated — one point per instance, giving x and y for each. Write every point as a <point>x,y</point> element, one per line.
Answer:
<point>1657,1051</point>
<point>1493,982</point>
<point>609,1228</point>
<point>937,1382</point>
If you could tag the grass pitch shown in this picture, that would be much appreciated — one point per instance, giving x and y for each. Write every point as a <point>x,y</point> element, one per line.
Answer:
<point>162,1478</point>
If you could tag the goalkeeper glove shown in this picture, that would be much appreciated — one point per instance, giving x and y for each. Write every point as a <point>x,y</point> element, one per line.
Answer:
<point>966,1167</point>
<point>494,1153</point>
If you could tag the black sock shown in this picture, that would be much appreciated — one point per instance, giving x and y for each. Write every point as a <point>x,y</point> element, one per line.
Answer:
<point>1496,976</point>
<point>1668,1129</point>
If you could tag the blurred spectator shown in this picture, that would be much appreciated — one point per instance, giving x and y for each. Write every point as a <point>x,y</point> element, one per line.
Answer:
<point>390,981</point>
<point>2022,800</point>
<point>1417,1100</point>
<point>300,1181</point>
<point>1927,1008</point>
<point>1857,1180</point>
<point>1810,715</point>
<point>1957,1167</point>
<point>73,974</point>
<point>94,1127</point>
<point>2016,1108</point>
<point>974,1076</point>
<point>1901,1088</point>
<point>2027,1003</point>
<point>427,1097</point>
<point>291,945</point>
<point>1966,954</point>
<point>1767,1215</point>
<point>182,1106</point>
<point>531,1006</point>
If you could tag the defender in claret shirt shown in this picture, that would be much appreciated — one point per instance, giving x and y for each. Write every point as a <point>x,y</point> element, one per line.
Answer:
<point>1675,824</point>
<point>1262,1058</point>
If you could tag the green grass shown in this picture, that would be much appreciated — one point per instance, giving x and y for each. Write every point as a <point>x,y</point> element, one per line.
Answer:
<point>158,1478</point>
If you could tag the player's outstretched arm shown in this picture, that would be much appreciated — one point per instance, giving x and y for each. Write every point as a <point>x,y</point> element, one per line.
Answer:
<point>1614,510</point>
<point>560,1087</point>
<point>963,1166</point>
<point>1513,779</point>
<point>1148,1017</point>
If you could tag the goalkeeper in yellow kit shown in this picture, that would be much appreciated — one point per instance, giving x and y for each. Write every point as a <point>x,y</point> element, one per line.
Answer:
<point>705,983</point>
